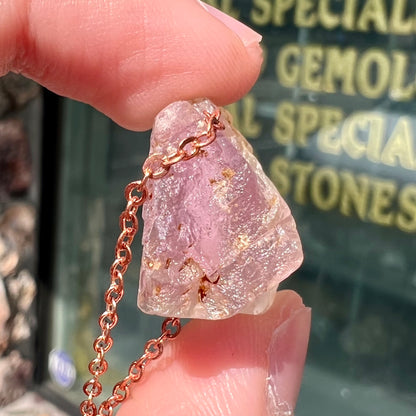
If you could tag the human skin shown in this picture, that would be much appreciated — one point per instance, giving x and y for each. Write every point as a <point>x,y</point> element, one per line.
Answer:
<point>129,59</point>
<point>217,368</point>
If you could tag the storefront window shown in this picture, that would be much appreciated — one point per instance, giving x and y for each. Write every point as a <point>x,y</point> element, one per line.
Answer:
<point>332,122</point>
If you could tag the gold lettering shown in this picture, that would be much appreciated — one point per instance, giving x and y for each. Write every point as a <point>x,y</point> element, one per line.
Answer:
<point>376,130</point>
<point>226,6</point>
<point>312,67</point>
<point>307,123</point>
<point>281,8</point>
<point>261,13</point>
<point>279,174</point>
<point>303,14</point>
<point>243,115</point>
<point>340,66</point>
<point>400,66</point>
<point>368,198</point>
<point>399,147</point>
<point>328,19</point>
<point>354,194</point>
<point>302,171</point>
<point>373,13</point>
<point>373,73</point>
<point>250,127</point>
<point>348,17</point>
<point>351,143</point>
<point>233,110</point>
<point>325,188</point>
<point>406,220</point>
<point>373,59</point>
<point>383,193</point>
<point>395,17</point>
<point>284,129</point>
<point>287,65</point>
<point>398,24</point>
<point>328,140</point>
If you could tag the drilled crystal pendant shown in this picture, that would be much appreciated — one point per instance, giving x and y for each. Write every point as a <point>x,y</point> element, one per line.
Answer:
<point>218,238</point>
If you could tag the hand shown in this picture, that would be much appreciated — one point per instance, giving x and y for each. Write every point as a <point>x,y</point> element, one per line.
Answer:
<point>243,366</point>
<point>129,59</point>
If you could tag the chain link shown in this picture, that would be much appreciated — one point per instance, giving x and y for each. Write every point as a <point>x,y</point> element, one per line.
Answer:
<point>156,166</point>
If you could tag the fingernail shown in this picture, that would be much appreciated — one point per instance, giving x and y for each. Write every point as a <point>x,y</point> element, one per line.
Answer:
<point>247,35</point>
<point>287,354</point>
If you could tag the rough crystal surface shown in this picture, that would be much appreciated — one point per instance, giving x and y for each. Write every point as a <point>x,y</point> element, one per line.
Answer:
<point>218,238</point>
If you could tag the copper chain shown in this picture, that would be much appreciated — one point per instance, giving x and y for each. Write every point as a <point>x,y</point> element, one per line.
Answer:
<point>156,166</point>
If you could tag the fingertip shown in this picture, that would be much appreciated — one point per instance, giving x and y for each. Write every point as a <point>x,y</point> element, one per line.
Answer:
<point>130,59</point>
<point>248,36</point>
<point>226,365</point>
<point>287,354</point>
<point>214,62</point>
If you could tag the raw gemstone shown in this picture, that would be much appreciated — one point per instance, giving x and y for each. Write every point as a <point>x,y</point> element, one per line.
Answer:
<point>218,238</point>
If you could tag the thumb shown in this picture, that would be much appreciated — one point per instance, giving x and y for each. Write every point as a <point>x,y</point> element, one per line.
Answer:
<point>246,365</point>
<point>129,58</point>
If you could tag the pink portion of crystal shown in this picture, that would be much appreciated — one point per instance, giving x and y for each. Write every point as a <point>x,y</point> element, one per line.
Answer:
<point>218,238</point>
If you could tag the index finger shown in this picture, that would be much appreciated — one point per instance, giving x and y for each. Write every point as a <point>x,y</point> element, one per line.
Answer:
<point>129,58</point>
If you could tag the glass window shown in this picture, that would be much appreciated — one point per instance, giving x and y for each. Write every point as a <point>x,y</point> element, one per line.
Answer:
<point>332,121</point>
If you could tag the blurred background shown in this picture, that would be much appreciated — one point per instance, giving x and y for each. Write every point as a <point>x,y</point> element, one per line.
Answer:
<point>331,120</point>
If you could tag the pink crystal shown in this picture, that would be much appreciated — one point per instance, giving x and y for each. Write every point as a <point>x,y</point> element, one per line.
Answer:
<point>218,238</point>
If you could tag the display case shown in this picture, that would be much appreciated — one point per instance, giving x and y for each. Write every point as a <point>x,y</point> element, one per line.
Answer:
<point>332,121</point>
